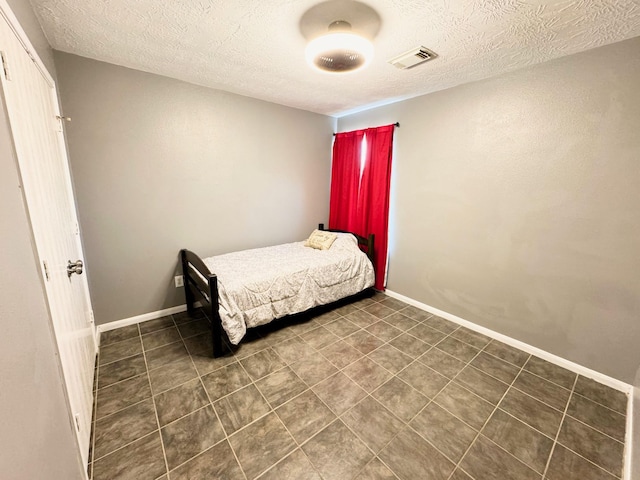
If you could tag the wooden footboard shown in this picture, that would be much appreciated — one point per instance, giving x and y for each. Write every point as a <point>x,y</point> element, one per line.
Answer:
<point>200,284</point>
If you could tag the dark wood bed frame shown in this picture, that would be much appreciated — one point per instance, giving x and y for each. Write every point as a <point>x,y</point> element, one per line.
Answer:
<point>206,291</point>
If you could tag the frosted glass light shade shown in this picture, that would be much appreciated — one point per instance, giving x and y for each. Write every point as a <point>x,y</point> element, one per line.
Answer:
<point>339,52</point>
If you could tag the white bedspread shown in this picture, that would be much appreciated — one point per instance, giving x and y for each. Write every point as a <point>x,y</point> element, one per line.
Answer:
<point>259,285</point>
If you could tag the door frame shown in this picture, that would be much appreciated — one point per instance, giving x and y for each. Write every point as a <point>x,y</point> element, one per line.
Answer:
<point>7,14</point>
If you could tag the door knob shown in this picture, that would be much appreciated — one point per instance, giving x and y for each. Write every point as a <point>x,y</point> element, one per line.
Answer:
<point>74,267</point>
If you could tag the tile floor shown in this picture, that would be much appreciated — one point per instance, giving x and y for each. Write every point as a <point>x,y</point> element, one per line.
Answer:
<point>372,389</point>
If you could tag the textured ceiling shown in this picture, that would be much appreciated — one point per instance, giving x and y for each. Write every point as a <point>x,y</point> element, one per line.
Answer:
<point>256,48</point>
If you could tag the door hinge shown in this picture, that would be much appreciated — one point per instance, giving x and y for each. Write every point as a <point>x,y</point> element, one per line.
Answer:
<point>46,270</point>
<point>77,419</point>
<point>5,66</point>
<point>91,317</point>
<point>60,120</point>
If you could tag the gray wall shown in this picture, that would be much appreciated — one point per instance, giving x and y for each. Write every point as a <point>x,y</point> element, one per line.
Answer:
<point>160,165</point>
<point>515,204</point>
<point>36,434</point>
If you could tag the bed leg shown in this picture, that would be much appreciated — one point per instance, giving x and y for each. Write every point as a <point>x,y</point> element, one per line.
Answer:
<point>216,321</point>
<point>216,337</point>
<point>190,302</point>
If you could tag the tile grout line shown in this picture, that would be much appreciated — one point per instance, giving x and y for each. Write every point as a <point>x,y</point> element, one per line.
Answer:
<point>525,423</point>
<point>147,373</point>
<point>458,465</point>
<point>589,461</point>
<point>155,409</point>
<point>120,381</point>
<point>339,337</point>
<point>127,406</point>
<point>407,423</point>
<point>337,416</point>
<point>128,444</point>
<point>599,403</point>
<point>226,437</point>
<point>571,394</point>
<point>555,441</point>
<point>381,461</point>
<point>310,389</point>
<point>200,378</point>
<point>281,460</point>
<point>120,410</point>
<point>431,400</point>
<point>123,358</point>
<point>202,453</point>
<point>95,416</point>
<point>108,344</point>
<point>272,409</point>
<point>551,381</point>
<point>145,348</point>
<point>594,428</point>
<point>127,355</point>
<point>540,399</point>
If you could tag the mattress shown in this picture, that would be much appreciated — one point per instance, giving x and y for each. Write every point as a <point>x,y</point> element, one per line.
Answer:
<point>259,285</point>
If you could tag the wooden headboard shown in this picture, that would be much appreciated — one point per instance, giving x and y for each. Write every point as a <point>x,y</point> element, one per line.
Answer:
<point>365,243</point>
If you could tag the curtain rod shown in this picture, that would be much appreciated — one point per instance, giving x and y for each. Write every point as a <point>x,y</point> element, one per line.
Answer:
<point>397,124</point>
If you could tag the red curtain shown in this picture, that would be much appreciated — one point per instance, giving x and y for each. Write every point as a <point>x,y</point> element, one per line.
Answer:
<point>345,181</point>
<point>361,204</point>
<point>373,201</point>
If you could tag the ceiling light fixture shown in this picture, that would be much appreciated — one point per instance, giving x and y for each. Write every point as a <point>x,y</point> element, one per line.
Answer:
<point>339,51</point>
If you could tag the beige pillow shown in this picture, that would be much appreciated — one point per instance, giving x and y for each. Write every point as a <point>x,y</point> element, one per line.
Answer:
<point>321,240</point>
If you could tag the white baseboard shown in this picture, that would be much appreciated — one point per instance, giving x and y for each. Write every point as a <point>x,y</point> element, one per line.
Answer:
<point>550,357</point>
<point>561,362</point>
<point>125,322</point>
<point>629,468</point>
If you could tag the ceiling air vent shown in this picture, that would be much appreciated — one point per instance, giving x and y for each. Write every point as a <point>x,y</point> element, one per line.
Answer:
<point>412,58</point>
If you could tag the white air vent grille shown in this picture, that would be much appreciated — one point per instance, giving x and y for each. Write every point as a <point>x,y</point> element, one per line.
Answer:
<point>413,57</point>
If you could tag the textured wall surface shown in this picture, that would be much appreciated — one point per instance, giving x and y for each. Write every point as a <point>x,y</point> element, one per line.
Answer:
<point>256,48</point>
<point>36,436</point>
<point>515,204</point>
<point>161,165</point>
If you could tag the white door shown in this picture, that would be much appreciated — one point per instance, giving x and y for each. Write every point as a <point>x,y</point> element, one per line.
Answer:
<point>32,108</point>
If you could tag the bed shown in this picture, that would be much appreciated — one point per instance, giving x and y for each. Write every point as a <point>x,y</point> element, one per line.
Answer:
<point>249,288</point>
